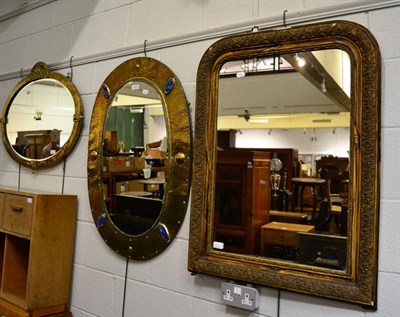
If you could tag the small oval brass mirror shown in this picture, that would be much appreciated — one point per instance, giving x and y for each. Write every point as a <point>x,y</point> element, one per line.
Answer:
<point>42,118</point>
<point>139,158</point>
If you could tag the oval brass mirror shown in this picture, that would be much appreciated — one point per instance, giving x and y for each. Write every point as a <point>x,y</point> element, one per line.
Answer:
<point>42,118</point>
<point>288,82</point>
<point>139,158</point>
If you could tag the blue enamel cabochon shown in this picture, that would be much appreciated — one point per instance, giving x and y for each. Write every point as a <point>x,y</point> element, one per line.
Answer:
<point>106,91</point>
<point>164,232</point>
<point>169,85</point>
<point>100,220</point>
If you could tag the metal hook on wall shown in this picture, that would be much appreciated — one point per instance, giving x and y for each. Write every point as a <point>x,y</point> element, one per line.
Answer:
<point>145,48</point>
<point>284,17</point>
<point>70,73</point>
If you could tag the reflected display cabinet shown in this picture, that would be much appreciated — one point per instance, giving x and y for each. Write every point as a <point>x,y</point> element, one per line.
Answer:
<point>242,199</point>
<point>36,249</point>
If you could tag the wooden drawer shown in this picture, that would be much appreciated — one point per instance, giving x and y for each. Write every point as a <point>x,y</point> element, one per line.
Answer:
<point>17,214</point>
<point>281,233</point>
<point>281,237</point>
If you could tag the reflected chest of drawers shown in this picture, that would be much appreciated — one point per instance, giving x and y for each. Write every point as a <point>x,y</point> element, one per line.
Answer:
<point>36,249</point>
<point>282,234</point>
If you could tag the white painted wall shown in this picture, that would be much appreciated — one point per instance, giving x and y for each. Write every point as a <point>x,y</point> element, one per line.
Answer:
<point>162,286</point>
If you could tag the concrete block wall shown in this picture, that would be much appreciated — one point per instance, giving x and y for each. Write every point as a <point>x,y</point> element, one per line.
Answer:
<point>162,286</point>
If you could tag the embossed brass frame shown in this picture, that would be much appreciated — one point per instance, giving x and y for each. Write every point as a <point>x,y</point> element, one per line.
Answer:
<point>358,283</point>
<point>168,86</point>
<point>41,71</point>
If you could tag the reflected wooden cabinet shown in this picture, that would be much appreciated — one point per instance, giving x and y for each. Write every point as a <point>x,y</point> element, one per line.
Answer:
<point>242,199</point>
<point>226,139</point>
<point>36,250</point>
<point>31,143</point>
<point>290,164</point>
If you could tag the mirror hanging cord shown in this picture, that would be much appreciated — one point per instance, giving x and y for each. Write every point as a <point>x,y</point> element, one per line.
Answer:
<point>19,177</point>
<point>63,177</point>
<point>126,278</point>
<point>279,303</point>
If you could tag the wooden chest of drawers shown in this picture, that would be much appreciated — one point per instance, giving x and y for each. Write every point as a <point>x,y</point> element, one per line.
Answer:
<point>36,248</point>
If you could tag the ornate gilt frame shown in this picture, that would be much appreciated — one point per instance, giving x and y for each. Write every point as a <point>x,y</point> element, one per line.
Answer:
<point>358,283</point>
<point>160,235</point>
<point>41,71</point>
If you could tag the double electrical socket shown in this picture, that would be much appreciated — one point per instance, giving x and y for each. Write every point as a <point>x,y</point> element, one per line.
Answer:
<point>240,296</point>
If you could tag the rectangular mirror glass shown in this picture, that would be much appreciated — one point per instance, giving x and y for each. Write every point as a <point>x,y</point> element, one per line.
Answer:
<point>300,102</point>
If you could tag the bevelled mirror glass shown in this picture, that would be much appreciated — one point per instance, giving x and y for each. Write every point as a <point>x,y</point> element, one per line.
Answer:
<point>139,158</point>
<point>286,161</point>
<point>42,118</point>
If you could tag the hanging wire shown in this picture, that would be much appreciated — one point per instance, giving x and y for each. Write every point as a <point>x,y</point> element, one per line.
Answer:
<point>20,73</point>
<point>126,278</point>
<point>71,72</point>
<point>19,177</point>
<point>279,303</point>
<point>63,178</point>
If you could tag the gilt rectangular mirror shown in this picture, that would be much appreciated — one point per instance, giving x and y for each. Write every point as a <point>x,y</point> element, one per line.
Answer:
<point>267,209</point>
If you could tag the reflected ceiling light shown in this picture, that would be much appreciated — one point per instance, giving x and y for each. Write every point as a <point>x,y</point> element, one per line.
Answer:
<point>145,92</point>
<point>240,74</point>
<point>38,114</point>
<point>136,110</point>
<point>258,120</point>
<point>300,61</point>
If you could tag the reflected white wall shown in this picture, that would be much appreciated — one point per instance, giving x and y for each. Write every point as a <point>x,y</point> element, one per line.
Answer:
<point>309,141</point>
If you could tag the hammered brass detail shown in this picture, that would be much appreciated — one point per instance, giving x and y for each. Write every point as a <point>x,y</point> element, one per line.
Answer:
<point>150,243</point>
<point>180,158</point>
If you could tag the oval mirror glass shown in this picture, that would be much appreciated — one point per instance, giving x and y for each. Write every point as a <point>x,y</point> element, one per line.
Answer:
<point>42,118</point>
<point>135,152</point>
<point>139,158</point>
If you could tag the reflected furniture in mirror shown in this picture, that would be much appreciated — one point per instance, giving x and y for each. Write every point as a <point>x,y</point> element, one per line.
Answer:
<point>241,206</point>
<point>37,233</point>
<point>139,158</point>
<point>331,162</point>
<point>42,118</point>
<point>301,82</point>
<point>288,157</point>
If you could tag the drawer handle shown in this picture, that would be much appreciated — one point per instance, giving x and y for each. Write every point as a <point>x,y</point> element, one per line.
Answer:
<point>17,208</point>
